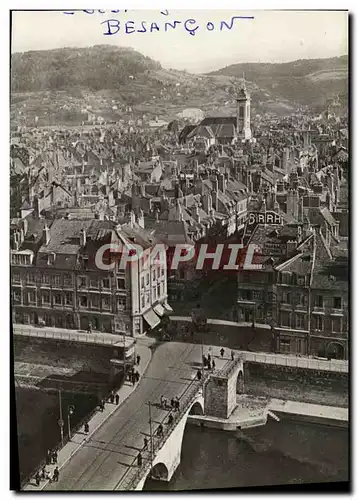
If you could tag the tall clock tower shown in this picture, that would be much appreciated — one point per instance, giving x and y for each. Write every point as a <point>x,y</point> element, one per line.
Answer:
<point>243,114</point>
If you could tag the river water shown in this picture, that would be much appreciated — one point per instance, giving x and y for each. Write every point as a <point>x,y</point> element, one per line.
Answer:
<point>278,453</point>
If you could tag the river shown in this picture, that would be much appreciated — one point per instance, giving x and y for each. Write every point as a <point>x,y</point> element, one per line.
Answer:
<point>278,453</point>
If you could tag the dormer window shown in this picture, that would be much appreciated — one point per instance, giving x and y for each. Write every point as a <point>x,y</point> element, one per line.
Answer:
<point>51,259</point>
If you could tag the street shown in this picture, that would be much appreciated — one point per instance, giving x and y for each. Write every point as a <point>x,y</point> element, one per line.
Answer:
<point>103,461</point>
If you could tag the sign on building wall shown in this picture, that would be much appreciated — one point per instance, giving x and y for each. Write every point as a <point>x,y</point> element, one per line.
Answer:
<point>256,218</point>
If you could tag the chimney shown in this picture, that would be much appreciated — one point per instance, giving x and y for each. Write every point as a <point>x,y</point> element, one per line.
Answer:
<point>142,189</point>
<point>300,209</point>
<point>132,218</point>
<point>157,215</point>
<point>207,203</point>
<point>222,182</point>
<point>83,238</point>
<point>46,235</point>
<point>215,184</point>
<point>215,200</point>
<point>292,203</point>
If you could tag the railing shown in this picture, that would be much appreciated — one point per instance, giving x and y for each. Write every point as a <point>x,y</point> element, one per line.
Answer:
<point>88,338</point>
<point>333,365</point>
<point>228,368</point>
<point>134,474</point>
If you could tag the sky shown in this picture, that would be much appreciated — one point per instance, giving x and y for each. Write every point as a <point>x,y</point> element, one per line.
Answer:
<point>272,36</point>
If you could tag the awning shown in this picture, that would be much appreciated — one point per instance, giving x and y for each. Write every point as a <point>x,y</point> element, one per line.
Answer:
<point>151,318</point>
<point>159,309</point>
<point>167,307</point>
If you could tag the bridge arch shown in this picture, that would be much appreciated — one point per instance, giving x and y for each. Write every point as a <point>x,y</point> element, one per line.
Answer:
<point>335,350</point>
<point>159,471</point>
<point>240,382</point>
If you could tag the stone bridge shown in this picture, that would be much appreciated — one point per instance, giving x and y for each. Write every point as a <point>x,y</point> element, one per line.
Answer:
<point>214,396</point>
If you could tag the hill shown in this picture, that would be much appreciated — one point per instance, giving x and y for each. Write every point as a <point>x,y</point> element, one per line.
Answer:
<point>306,81</point>
<point>95,68</point>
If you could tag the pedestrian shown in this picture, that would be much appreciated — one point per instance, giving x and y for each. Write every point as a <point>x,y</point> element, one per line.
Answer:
<point>133,378</point>
<point>145,443</point>
<point>177,404</point>
<point>198,374</point>
<point>205,361</point>
<point>213,365</point>
<point>137,376</point>
<point>37,479</point>
<point>54,457</point>
<point>139,460</point>
<point>209,365</point>
<point>117,399</point>
<point>160,430</point>
<point>111,397</point>
<point>172,403</point>
<point>138,360</point>
<point>222,352</point>
<point>209,358</point>
<point>86,428</point>
<point>48,457</point>
<point>170,419</point>
<point>232,355</point>
<point>56,474</point>
<point>43,474</point>
<point>101,405</point>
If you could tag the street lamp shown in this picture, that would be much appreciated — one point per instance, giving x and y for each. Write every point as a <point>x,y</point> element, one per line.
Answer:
<point>70,411</point>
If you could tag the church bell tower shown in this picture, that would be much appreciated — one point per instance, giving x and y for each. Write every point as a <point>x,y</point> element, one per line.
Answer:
<point>243,128</point>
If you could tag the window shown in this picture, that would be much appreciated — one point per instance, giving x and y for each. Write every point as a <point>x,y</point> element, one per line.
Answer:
<point>95,302</point>
<point>121,303</point>
<point>337,325</point>
<point>162,271</point>
<point>154,293</point>
<point>285,319</point>
<point>82,281</point>
<point>142,282</point>
<point>158,291</point>
<point>147,279</point>
<point>46,279</point>
<point>337,303</point>
<point>286,298</point>
<point>58,299</point>
<point>286,278</point>
<point>303,300</point>
<point>31,278</point>
<point>147,298</point>
<point>16,296</point>
<point>83,301</point>
<point>285,345</point>
<point>16,278</point>
<point>105,283</point>
<point>56,280</point>
<point>68,299</point>
<point>45,297</point>
<point>67,279</point>
<point>318,323</point>
<point>300,322</point>
<point>106,303</point>
<point>121,283</point>
<point>93,283</point>
<point>158,272</point>
<point>318,301</point>
<point>153,275</point>
<point>142,301</point>
<point>32,297</point>
<point>256,295</point>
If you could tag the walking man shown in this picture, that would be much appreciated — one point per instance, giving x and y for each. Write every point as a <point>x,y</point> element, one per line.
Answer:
<point>161,400</point>
<point>170,419</point>
<point>232,355</point>
<point>213,365</point>
<point>160,430</point>
<point>222,352</point>
<point>54,457</point>
<point>117,399</point>
<point>177,403</point>
<point>139,460</point>
<point>209,358</point>
<point>48,457</point>
<point>172,403</point>
<point>145,443</point>
<point>111,397</point>
<point>198,374</point>
<point>56,474</point>
<point>138,360</point>
<point>37,478</point>
<point>86,428</point>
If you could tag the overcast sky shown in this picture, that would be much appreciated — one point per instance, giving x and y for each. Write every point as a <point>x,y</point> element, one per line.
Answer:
<point>272,36</point>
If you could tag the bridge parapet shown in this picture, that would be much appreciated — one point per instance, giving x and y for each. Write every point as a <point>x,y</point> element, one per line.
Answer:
<point>135,475</point>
